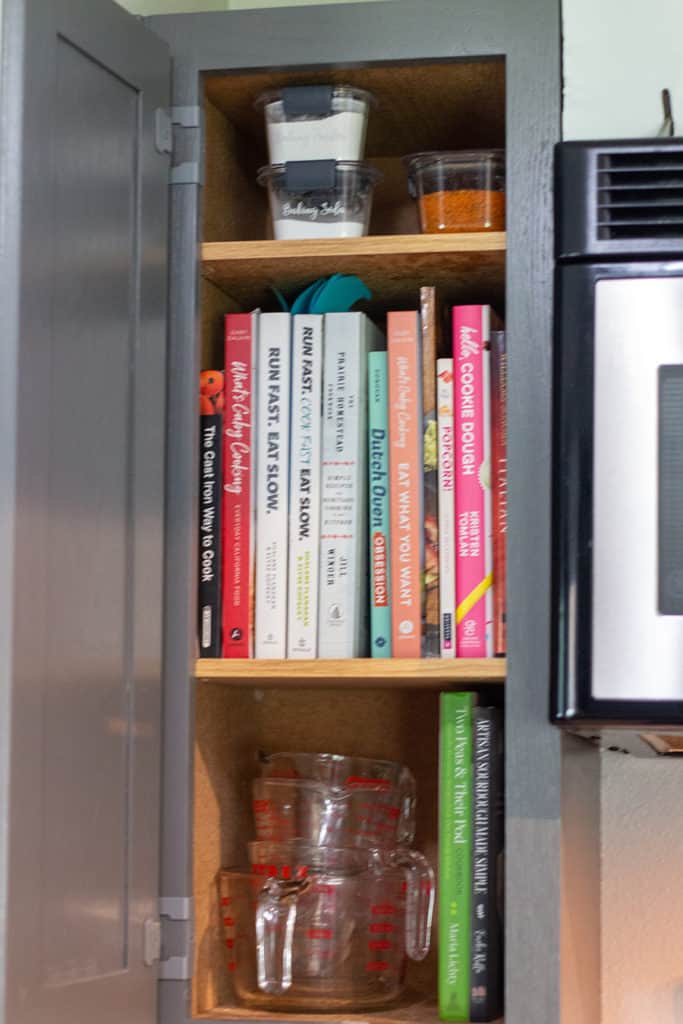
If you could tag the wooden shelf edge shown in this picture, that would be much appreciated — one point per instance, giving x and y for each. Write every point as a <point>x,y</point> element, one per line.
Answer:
<point>369,245</point>
<point>416,673</point>
<point>408,1012</point>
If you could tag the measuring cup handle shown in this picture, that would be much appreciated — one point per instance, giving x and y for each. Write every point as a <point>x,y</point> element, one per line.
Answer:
<point>419,901</point>
<point>407,796</point>
<point>276,905</point>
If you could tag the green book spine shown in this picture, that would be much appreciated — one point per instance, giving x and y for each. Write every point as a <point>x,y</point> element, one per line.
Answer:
<point>378,506</point>
<point>455,855</point>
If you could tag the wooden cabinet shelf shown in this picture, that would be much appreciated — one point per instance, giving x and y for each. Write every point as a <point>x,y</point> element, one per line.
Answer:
<point>354,673</point>
<point>418,1011</point>
<point>471,265</point>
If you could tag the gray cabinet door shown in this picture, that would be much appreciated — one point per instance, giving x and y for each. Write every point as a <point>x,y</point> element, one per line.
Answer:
<point>83,214</point>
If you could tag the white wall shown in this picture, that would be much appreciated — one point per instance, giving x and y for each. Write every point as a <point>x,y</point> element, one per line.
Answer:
<point>618,56</point>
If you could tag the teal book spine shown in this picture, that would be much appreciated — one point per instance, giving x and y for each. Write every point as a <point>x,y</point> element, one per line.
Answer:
<point>455,855</point>
<point>378,506</point>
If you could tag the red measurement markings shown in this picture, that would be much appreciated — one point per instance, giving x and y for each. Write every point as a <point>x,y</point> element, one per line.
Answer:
<point>382,928</point>
<point>376,944</point>
<point>358,782</point>
<point>230,943</point>
<point>380,909</point>
<point>319,933</point>
<point>377,965</point>
<point>229,922</point>
<point>226,901</point>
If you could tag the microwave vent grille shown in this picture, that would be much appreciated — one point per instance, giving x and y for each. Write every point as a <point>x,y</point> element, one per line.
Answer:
<point>640,194</point>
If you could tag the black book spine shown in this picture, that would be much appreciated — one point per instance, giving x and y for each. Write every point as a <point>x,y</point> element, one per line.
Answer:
<point>486,958</point>
<point>209,560</point>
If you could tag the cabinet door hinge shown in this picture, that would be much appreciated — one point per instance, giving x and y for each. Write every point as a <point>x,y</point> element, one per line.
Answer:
<point>178,132</point>
<point>168,939</point>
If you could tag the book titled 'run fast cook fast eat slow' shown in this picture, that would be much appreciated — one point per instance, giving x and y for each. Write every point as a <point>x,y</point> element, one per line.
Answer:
<point>304,501</point>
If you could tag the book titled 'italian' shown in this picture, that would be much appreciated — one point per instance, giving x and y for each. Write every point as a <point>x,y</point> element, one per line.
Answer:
<point>378,503</point>
<point>238,537</point>
<point>304,496</point>
<point>211,402</point>
<point>455,854</point>
<point>343,589</point>
<point>444,405</point>
<point>473,510</point>
<point>500,485</point>
<point>272,484</point>
<point>404,361</point>
<point>431,341</point>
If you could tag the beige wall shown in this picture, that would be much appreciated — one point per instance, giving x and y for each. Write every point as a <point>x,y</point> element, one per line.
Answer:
<point>617,57</point>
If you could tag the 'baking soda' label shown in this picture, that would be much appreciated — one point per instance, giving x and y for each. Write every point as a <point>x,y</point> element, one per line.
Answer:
<point>329,211</point>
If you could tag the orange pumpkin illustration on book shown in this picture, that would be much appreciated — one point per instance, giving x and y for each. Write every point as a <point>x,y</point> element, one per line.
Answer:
<point>211,398</point>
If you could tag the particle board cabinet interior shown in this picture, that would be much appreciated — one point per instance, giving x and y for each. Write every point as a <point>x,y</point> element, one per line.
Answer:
<point>384,708</point>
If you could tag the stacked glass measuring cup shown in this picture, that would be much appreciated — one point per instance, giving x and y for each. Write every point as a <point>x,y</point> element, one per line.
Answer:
<point>334,899</point>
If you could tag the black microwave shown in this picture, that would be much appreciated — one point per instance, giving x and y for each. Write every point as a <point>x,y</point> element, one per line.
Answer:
<point>617,594</point>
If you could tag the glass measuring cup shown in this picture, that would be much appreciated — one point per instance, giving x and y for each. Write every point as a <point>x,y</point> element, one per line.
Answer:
<point>372,814</point>
<point>299,860</point>
<point>349,774</point>
<point>325,936</point>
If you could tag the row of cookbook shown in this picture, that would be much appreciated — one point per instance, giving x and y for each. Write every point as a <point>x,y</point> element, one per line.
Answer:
<point>352,487</point>
<point>471,849</point>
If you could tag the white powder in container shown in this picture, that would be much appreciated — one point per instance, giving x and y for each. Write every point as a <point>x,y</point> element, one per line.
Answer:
<point>337,137</point>
<point>287,228</point>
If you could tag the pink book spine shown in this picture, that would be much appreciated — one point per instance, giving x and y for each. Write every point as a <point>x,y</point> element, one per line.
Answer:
<point>238,471</point>
<point>404,362</point>
<point>473,513</point>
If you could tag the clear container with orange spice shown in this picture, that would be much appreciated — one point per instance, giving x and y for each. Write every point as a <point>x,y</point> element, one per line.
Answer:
<point>458,191</point>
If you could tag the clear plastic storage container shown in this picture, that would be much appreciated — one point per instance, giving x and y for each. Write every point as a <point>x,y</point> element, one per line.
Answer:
<point>459,191</point>
<point>316,122</point>
<point>320,198</point>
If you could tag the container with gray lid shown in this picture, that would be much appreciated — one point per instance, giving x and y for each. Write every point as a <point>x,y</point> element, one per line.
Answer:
<point>316,122</point>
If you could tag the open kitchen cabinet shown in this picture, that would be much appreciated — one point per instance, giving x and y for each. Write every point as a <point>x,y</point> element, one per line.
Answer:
<point>447,75</point>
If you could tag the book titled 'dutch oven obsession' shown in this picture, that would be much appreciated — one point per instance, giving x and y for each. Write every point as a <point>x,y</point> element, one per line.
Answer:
<point>378,503</point>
